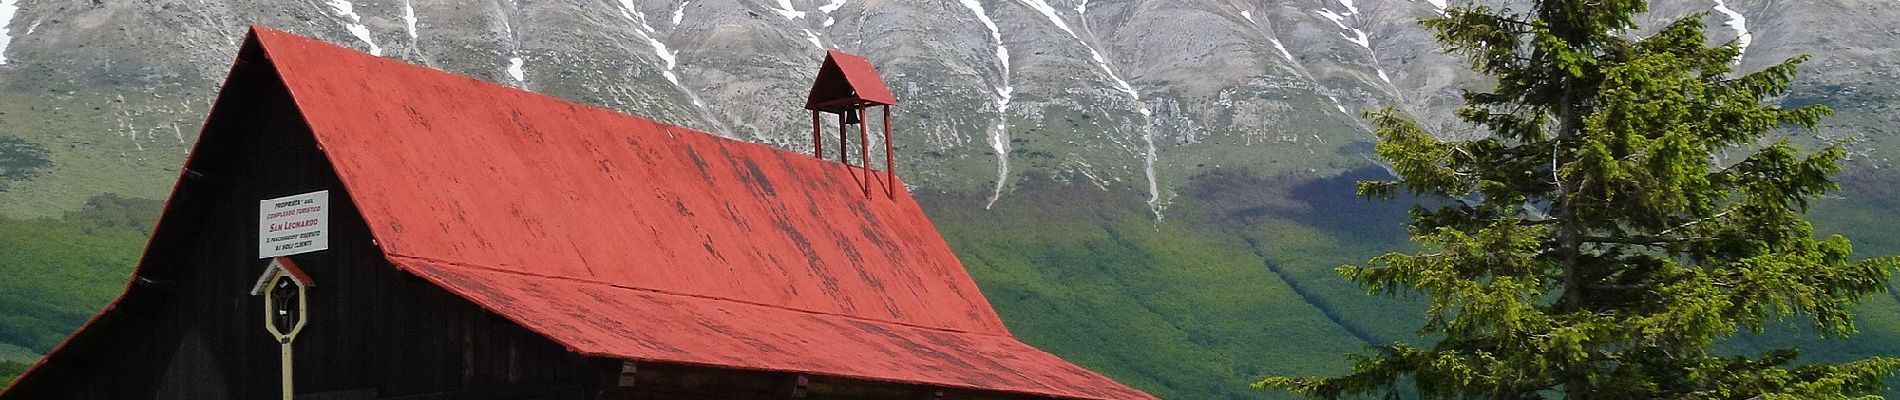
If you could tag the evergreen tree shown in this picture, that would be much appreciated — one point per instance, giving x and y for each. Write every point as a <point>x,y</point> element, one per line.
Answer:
<point>1598,240</point>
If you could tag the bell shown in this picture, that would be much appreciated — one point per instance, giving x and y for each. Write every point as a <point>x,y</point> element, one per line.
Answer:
<point>851,117</point>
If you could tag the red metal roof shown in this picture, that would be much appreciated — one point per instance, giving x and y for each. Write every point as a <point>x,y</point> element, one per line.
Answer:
<point>846,81</point>
<point>621,237</point>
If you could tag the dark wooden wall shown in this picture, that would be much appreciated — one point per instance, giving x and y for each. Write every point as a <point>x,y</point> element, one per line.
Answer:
<point>190,329</point>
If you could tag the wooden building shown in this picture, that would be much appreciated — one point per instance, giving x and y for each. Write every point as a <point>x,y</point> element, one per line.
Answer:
<point>489,243</point>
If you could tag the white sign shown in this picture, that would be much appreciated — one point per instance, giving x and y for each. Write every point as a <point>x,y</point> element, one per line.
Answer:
<point>293,225</point>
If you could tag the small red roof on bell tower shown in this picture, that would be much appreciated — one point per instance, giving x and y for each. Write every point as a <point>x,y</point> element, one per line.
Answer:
<point>281,266</point>
<point>845,82</point>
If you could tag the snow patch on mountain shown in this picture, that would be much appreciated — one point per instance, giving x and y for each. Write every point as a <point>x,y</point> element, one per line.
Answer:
<point>1355,35</point>
<point>1050,12</point>
<point>1739,23</point>
<point>813,38</point>
<point>999,137</point>
<point>345,9</point>
<point>515,69</point>
<point>834,5</point>
<point>679,14</point>
<point>1271,37</point>
<point>1337,19</point>
<point>1281,47</point>
<point>7,9</point>
<point>1359,38</point>
<point>1147,116</point>
<point>669,58</point>
<point>409,18</point>
<point>785,9</point>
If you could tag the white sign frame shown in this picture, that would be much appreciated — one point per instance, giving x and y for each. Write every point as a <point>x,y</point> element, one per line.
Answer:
<point>294,224</point>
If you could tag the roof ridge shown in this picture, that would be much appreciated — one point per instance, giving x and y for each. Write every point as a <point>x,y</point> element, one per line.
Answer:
<point>668,127</point>
<point>459,264</point>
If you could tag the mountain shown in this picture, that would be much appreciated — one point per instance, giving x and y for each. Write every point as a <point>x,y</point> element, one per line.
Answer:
<point>1134,94</point>
<point>1158,189</point>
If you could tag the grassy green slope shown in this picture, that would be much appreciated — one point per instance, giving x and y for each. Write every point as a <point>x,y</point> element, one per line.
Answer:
<point>100,139</point>
<point>60,271</point>
<point>1175,308</point>
<point>11,369</point>
<point>1305,227</point>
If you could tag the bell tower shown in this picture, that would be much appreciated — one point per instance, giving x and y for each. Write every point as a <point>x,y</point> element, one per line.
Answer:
<point>848,87</point>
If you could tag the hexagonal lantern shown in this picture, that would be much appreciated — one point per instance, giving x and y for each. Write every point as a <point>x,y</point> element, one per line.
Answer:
<point>285,289</point>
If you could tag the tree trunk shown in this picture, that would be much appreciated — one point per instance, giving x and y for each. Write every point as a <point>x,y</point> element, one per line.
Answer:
<point>1569,238</point>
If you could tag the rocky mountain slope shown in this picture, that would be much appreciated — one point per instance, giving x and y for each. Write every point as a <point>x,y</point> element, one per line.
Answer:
<point>1139,94</point>
<point>1157,187</point>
